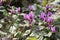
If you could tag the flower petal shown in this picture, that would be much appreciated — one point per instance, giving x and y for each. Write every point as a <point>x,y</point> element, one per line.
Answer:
<point>53,29</point>
<point>12,11</point>
<point>47,7</point>
<point>18,9</point>
<point>25,16</point>
<point>31,15</point>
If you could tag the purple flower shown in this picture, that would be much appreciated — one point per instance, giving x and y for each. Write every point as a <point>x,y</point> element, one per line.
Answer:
<point>42,16</point>
<point>49,20</point>
<point>31,8</point>
<point>50,26</point>
<point>47,7</point>
<point>45,19</point>
<point>26,16</point>
<point>49,14</point>
<point>53,29</point>
<point>12,11</point>
<point>31,15</point>
<point>18,9</point>
<point>0,2</point>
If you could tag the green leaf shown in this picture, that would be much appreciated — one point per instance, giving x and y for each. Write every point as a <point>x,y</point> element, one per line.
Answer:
<point>49,34</point>
<point>31,38</point>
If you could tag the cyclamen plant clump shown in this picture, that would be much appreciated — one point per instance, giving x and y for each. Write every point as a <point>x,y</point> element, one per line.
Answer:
<point>29,17</point>
<point>45,16</point>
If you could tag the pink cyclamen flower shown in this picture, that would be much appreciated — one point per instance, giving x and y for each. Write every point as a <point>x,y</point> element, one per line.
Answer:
<point>12,11</point>
<point>31,15</point>
<point>18,9</point>
<point>31,8</point>
<point>26,17</point>
<point>42,16</point>
<point>0,2</point>
<point>47,7</point>
<point>49,14</point>
<point>53,29</point>
<point>49,20</point>
<point>45,19</point>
